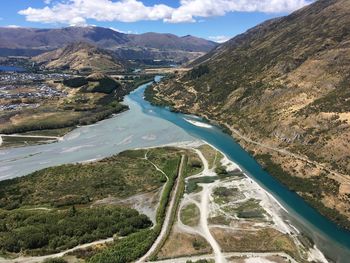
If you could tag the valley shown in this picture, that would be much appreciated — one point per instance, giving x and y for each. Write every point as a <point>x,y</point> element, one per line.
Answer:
<point>206,179</point>
<point>119,146</point>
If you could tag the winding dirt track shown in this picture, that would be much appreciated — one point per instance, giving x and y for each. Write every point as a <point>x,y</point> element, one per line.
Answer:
<point>203,205</point>
<point>167,219</point>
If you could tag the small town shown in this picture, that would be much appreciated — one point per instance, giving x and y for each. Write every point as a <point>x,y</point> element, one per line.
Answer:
<point>30,86</point>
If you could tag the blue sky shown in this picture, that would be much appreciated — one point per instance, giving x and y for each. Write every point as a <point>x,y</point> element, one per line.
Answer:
<point>211,19</point>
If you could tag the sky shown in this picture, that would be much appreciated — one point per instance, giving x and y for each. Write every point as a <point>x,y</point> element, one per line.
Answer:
<point>217,20</point>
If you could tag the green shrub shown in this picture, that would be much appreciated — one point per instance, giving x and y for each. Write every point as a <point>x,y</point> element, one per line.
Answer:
<point>75,82</point>
<point>198,72</point>
<point>105,85</point>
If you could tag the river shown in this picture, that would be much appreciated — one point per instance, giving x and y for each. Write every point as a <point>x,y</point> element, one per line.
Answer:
<point>145,125</point>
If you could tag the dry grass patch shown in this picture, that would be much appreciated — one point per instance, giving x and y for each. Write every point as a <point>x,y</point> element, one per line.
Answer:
<point>182,244</point>
<point>210,154</point>
<point>264,240</point>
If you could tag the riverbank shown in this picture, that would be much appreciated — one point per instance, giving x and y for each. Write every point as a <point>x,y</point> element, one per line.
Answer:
<point>78,101</point>
<point>312,191</point>
<point>328,187</point>
<point>267,202</point>
<point>204,200</point>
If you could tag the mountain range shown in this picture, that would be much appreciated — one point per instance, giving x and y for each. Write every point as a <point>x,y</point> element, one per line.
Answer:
<point>283,90</point>
<point>31,41</point>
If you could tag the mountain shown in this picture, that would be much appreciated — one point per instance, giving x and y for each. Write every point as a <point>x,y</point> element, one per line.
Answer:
<point>45,39</point>
<point>14,41</point>
<point>81,57</point>
<point>283,90</point>
<point>172,42</point>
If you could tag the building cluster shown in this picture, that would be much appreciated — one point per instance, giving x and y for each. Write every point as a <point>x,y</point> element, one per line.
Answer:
<point>42,91</point>
<point>14,77</point>
<point>13,87</point>
<point>18,106</point>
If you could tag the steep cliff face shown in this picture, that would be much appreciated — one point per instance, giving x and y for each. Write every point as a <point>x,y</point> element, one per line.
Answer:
<point>284,84</point>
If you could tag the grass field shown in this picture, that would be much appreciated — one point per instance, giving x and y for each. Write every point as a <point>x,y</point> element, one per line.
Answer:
<point>190,215</point>
<point>264,240</point>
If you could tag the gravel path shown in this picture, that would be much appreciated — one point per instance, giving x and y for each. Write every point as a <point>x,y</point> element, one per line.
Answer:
<point>167,219</point>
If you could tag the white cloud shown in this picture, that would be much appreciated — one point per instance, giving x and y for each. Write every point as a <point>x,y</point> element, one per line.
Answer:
<point>77,21</point>
<point>190,9</point>
<point>72,11</point>
<point>13,26</point>
<point>78,11</point>
<point>219,39</point>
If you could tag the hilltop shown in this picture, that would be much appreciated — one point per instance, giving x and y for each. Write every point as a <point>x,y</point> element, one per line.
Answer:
<point>82,57</point>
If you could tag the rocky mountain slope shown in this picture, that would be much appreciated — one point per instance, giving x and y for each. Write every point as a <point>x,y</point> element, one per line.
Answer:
<point>81,57</point>
<point>283,90</point>
<point>14,41</point>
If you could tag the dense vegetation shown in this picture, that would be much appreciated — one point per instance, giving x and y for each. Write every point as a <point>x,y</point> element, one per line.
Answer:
<point>192,184</point>
<point>121,176</point>
<point>43,232</point>
<point>136,245</point>
<point>127,249</point>
<point>199,71</point>
<point>75,82</point>
<point>104,85</point>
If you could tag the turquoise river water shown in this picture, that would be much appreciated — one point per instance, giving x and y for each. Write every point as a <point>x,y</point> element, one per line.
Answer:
<point>145,125</point>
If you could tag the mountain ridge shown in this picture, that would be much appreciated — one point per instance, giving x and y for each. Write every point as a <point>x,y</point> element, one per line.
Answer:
<point>18,40</point>
<point>283,84</point>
